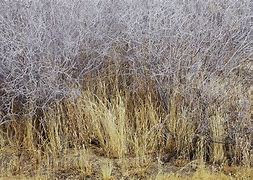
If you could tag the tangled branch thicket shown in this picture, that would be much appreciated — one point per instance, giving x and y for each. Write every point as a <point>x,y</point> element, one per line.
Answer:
<point>48,45</point>
<point>193,56</point>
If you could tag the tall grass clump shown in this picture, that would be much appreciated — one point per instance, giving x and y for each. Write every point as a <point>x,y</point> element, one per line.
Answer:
<point>139,83</point>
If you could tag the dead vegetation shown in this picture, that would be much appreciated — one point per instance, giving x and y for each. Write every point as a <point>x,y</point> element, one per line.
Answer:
<point>121,94</point>
<point>113,133</point>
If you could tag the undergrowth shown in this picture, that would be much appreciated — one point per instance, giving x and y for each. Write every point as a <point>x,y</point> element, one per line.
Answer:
<point>116,133</point>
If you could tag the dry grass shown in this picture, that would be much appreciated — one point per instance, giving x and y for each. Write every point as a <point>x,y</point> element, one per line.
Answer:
<point>121,134</point>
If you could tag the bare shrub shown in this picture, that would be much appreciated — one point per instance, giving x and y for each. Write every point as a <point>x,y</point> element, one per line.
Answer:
<point>47,49</point>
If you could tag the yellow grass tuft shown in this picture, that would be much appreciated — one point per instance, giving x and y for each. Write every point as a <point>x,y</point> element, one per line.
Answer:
<point>121,134</point>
